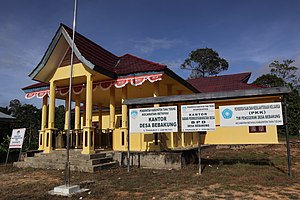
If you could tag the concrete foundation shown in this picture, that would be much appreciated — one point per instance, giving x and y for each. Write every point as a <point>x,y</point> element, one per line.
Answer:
<point>64,190</point>
<point>156,160</point>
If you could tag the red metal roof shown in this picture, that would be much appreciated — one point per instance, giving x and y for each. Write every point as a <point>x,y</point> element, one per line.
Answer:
<point>93,52</point>
<point>36,85</point>
<point>223,83</point>
<point>126,64</point>
<point>131,64</point>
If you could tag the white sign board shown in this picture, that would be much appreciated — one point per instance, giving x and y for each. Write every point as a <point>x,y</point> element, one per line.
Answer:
<point>251,115</point>
<point>17,138</point>
<point>199,117</point>
<point>157,119</point>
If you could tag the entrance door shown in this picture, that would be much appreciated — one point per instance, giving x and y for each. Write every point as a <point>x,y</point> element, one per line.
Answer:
<point>106,139</point>
<point>97,135</point>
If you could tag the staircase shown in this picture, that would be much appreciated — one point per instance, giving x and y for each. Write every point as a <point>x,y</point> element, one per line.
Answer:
<point>78,162</point>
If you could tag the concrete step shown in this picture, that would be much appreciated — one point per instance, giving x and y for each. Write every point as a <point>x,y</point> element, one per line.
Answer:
<point>75,161</point>
<point>110,165</point>
<point>62,155</point>
<point>78,161</point>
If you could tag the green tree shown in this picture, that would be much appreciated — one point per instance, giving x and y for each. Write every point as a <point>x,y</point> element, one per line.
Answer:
<point>283,74</point>
<point>293,112</point>
<point>285,71</point>
<point>14,107</point>
<point>204,62</point>
<point>269,80</point>
<point>60,117</point>
<point>27,116</point>
<point>5,110</point>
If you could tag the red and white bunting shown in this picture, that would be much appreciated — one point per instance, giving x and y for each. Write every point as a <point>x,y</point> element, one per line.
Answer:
<point>63,91</point>
<point>136,81</point>
<point>103,85</point>
<point>78,89</point>
<point>119,83</point>
<point>39,94</point>
<point>155,77</point>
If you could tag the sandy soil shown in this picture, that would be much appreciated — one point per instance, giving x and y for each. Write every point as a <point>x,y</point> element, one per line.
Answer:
<point>249,173</point>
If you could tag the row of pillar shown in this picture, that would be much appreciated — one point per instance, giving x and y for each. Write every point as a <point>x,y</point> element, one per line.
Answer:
<point>45,139</point>
<point>45,136</point>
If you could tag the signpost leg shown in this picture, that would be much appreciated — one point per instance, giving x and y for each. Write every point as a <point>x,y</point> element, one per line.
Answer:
<point>7,157</point>
<point>287,138</point>
<point>199,152</point>
<point>128,153</point>
<point>19,154</point>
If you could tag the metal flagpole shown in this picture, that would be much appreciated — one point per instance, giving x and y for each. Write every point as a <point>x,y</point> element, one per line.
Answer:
<point>67,167</point>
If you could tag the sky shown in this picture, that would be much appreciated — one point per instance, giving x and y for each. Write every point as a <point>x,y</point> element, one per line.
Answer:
<point>248,34</point>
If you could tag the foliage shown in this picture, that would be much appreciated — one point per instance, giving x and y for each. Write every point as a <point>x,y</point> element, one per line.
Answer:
<point>14,107</point>
<point>4,145</point>
<point>284,74</point>
<point>60,117</point>
<point>29,117</point>
<point>5,110</point>
<point>285,71</point>
<point>204,62</point>
<point>293,112</point>
<point>269,80</point>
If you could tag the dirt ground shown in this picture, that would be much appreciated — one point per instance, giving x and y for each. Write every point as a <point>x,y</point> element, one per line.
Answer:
<point>249,173</point>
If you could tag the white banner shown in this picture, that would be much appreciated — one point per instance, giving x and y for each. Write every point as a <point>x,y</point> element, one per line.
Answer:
<point>17,138</point>
<point>200,117</point>
<point>251,115</point>
<point>157,119</point>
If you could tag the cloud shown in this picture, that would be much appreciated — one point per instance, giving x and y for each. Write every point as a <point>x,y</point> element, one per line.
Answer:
<point>19,54</point>
<point>174,65</point>
<point>149,45</point>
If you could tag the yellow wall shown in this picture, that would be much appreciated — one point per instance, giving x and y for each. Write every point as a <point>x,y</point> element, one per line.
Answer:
<point>222,135</point>
<point>145,141</point>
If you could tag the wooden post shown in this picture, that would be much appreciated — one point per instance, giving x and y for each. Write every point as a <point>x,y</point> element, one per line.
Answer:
<point>287,138</point>
<point>199,153</point>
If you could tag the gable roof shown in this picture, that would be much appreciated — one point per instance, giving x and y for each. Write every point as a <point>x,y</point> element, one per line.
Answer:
<point>223,83</point>
<point>94,56</point>
<point>88,52</point>
<point>92,52</point>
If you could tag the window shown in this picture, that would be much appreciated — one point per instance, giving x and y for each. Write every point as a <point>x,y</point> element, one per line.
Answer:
<point>257,129</point>
<point>123,138</point>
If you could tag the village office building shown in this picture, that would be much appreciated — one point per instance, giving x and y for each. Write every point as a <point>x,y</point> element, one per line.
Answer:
<point>102,81</point>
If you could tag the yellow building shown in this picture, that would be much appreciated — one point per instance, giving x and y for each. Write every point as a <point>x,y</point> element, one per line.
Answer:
<point>102,81</point>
